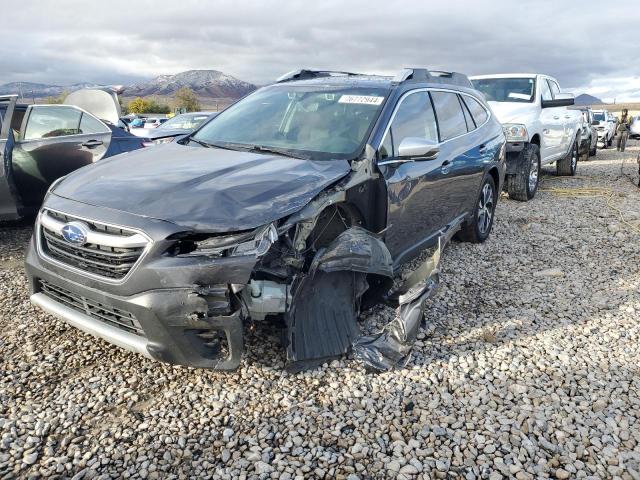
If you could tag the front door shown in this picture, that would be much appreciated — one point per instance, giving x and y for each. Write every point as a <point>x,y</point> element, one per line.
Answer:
<point>552,119</point>
<point>55,140</point>
<point>9,201</point>
<point>413,186</point>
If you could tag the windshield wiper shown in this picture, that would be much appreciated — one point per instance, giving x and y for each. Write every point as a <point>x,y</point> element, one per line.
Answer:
<point>277,151</point>
<point>200,142</point>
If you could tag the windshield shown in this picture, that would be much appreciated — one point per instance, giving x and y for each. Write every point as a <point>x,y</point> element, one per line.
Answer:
<point>506,89</point>
<point>317,122</point>
<point>599,116</point>
<point>186,121</point>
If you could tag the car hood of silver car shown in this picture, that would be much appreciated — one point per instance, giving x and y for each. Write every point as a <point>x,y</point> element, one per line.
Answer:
<point>204,189</point>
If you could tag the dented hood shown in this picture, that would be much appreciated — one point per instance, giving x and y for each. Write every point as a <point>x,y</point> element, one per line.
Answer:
<point>205,189</point>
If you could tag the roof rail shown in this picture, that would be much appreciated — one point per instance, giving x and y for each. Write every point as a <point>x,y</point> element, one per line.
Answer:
<point>433,76</point>
<point>305,74</point>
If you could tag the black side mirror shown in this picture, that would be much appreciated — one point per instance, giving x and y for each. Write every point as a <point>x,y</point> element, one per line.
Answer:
<point>561,100</point>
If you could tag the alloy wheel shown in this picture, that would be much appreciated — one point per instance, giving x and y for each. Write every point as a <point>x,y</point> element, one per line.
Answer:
<point>485,208</point>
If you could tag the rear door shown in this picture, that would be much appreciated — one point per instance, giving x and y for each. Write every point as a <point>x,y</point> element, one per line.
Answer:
<point>464,149</point>
<point>55,140</point>
<point>9,200</point>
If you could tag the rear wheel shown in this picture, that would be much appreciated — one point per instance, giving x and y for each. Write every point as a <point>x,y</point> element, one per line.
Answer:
<point>567,166</point>
<point>523,185</point>
<point>478,227</point>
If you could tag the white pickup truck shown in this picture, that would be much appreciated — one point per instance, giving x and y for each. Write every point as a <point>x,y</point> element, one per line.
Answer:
<point>539,127</point>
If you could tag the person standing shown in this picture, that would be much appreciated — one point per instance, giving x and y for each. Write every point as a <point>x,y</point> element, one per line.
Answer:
<point>623,125</point>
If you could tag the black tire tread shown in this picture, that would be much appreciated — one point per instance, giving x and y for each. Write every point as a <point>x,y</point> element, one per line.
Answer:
<point>563,166</point>
<point>517,185</point>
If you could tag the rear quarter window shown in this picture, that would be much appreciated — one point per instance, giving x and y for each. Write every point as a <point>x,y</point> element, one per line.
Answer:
<point>478,112</point>
<point>449,114</point>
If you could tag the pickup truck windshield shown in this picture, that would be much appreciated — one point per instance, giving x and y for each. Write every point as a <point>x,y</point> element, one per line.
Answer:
<point>506,89</point>
<point>304,121</point>
<point>599,117</point>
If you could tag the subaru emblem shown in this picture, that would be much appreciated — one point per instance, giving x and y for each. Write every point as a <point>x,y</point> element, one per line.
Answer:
<point>75,233</point>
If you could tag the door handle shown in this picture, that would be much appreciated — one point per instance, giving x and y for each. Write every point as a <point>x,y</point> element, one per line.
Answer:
<point>556,117</point>
<point>446,163</point>
<point>92,143</point>
<point>546,131</point>
<point>483,148</point>
<point>567,116</point>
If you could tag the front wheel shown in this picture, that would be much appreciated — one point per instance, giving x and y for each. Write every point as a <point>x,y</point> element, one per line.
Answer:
<point>478,227</point>
<point>567,166</point>
<point>523,185</point>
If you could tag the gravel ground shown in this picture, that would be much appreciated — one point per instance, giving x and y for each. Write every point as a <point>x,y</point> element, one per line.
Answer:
<point>527,367</point>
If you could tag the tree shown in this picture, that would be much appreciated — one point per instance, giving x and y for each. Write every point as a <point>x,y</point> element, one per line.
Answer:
<point>186,98</point>
<point>56,100</point>
<point>144,105</point>
<point>138,105</point>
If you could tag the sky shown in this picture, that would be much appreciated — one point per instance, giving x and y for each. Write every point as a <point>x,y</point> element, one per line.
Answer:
<point>589,46</point>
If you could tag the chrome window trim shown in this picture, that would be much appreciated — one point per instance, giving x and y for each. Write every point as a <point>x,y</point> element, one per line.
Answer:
<point>79,271</point>
<point>431,89</point>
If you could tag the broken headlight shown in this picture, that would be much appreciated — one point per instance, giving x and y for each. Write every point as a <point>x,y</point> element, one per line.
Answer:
<point>255,243</point>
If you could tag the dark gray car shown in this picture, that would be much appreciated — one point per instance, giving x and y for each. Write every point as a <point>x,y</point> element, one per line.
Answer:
<point>41,143</point>
<point>297,205</point>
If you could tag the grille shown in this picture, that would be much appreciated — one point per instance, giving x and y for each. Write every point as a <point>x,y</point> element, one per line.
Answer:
<point>102,260</point>
<point>104,313</point>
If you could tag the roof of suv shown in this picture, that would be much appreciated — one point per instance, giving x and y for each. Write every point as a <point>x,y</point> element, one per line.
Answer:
<point>413,75</point>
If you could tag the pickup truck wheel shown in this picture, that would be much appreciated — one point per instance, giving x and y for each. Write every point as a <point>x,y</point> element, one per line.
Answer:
<point>478,227</point>
<point>567,166</point>
<point>523,185</point>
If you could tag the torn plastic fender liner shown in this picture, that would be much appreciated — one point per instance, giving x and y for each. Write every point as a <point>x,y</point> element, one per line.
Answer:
<point>322,319</point>
<point>391,347</point>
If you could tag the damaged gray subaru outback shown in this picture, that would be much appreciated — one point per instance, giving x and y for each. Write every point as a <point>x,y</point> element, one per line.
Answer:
<point>299,204</point>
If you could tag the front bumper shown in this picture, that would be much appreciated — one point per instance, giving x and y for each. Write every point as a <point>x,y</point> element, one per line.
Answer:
<point>184,310</point>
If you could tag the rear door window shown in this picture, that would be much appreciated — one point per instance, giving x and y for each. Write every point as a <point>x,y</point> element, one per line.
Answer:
<point>478,112</point>
<point>50,122</point>
<point>449,113</point>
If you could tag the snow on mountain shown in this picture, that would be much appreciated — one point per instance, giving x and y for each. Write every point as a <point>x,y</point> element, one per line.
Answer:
<point>205,83</point>
<point>210,84</point>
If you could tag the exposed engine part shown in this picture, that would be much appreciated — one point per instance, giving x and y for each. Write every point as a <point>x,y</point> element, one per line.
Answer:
<point>264,297</point>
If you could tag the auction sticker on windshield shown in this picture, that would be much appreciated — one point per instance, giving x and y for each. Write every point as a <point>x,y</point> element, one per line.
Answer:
<point>361,99</point>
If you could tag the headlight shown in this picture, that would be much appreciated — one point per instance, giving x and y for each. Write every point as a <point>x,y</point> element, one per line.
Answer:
<point>515,132</point>
<point>255,243</point>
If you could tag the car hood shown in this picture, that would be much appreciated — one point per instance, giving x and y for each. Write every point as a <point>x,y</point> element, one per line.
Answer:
<point>513,112</point>
<point>166,132</point>
<point>205,189</point>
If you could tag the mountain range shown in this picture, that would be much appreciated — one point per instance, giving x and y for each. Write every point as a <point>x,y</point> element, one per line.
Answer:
<point>207,84</point>
<point>586,99</point>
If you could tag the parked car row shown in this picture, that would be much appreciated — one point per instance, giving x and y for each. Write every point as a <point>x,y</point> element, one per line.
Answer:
<point>298,204</point>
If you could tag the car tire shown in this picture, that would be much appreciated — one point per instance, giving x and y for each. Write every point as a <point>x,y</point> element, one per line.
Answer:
<point>594,150</point>
<point>567,166</point>
<point>478,227</point>
<point>522,186</point>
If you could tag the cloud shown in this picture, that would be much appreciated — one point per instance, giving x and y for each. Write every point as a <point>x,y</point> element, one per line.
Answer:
<point>585,46</point>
